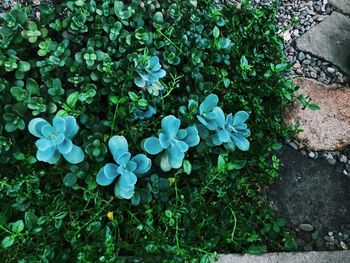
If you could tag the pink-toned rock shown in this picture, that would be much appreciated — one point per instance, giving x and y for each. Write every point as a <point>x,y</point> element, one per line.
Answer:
<point>329,127</point>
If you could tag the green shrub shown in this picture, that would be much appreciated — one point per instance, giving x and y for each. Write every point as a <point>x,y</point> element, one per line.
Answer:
<point>88,59</point>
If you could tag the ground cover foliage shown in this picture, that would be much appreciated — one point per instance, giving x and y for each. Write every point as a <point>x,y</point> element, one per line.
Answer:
<point>110,77</point>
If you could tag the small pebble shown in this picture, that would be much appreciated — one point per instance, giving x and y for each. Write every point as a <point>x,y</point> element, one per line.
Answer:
<point>343,159</point>
<point>331,161</point>
<point>306,227</point>
<point>294,145</point>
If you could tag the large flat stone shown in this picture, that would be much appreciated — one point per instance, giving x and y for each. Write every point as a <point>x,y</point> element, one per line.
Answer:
<point>342,5</point>
<point>301,257</point>
<point>329,40</point>
<point>329,127</point>
<point>310,191</point>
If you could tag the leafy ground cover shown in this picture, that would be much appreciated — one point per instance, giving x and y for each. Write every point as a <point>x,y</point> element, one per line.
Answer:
<point>140,131</point>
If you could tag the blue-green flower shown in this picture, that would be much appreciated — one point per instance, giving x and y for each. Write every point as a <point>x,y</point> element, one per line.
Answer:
<point>56,139</point>
<point>173,142</point>
<point>126,169</point>
<point>149,75</point>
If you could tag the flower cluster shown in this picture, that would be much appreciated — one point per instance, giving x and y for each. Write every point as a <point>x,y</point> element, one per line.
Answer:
<point>126,169</point>
<point>216,130</point>
<point>56,140</point>
<point>172,143</point>
<point>150,73</point>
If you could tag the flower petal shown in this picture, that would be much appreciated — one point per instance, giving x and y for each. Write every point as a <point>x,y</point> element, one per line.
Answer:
<point>47,130</point>
<point>71,128</point>
<point>102,179</point>
<point>165,162</point>
<point>209,103</point>
<point>131,166</point>
<point>140,82</point>
<point>143,163</point>
<point>75,156</point>
<point>36,125</point>
<point>152,145</point>
<point>224,136</point>
<point>220,117</point>
<point>59,139</point>
<point>43,144</point>
<point>111,170</point>
<point>59,124</point>
<point>118,145</point>
<point>170,126</point>
<point>164,140</point>
<point>240,117</point>
<point>181,134</point>
<point>50,155</point>
<point>124,158</point>
<point>192,138</point>
<point>176,157</point>
<point>65,147</point>
<point>241,142</point>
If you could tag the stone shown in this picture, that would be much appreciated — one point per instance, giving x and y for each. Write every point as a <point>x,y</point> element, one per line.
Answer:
<point>329,40</point>
<point>329,127</point>
<point>288,257</point>
<point>331,161</point>
<point>321,196</point>
<point>306,227</point>
<point>342,5</point>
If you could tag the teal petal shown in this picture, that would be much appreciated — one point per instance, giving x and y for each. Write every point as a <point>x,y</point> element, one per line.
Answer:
<point>36,125</point>
<point>176,157</point>
<point>65,147</point>
<point>224,136</point>
<point>59,124</point>
<point>240,117</point>
<point>111,170</point>
<point>131,166</point>
<point>143,163</point>
<point>50,155</point>
<point>192,139</point>
<point>170,126</point>
<point>47,130</point>
<point>209,104</point>
<point>165,162</point>
<point>220,117</point>
<point>124,158</point>
<point>118,145</point>
<point>164,140</point>
<point>152,145</point>
<point>102,179</point>
<point>241,142</point>
<point>127,180</point>
<point>43,144</point>
<point>181,134</point>
<point>71,128</point>
<point>75,156</point>
<point>140,82</point>
<point>59,139</point>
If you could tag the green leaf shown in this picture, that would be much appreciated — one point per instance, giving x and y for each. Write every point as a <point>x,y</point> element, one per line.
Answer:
<point>18,226</point>
<point>133,96</point>
<point>276,146</point>
<point>187,166</point>
<point>257,250</point>
<point>221,162</point>
<point>30,219</point>
<point>32,87</point>
<point>23,66</point>
<point>313,106</point>
<point>73,99</point>
<point>290,244</point>
<point>19,156</point>
<point>216,32</point>
<point>8,241</point>
<point>70,179</point>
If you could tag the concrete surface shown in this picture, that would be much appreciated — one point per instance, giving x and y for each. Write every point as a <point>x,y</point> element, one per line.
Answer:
<point>298,257</point>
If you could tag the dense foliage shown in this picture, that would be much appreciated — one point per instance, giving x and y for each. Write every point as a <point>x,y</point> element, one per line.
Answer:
<point>129,87</point>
